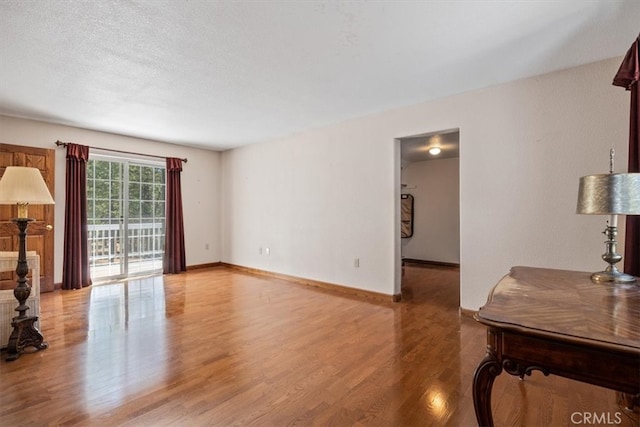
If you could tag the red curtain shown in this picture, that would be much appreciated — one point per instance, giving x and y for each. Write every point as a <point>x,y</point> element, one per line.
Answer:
<point>174,254</point>
<point>75,261</point>
<point>628,76</point>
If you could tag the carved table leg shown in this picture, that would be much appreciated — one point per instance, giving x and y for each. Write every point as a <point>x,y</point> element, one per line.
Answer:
<point>483,379</point>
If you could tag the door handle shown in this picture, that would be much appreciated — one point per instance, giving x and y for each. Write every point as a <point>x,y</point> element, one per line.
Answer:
<point>49,227</point>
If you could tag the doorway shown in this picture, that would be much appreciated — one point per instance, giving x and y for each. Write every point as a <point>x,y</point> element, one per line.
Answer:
<point>429,173</point>
<point>125,217</point>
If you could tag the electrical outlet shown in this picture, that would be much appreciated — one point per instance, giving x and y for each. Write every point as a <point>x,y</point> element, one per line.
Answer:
<point>356,262</point>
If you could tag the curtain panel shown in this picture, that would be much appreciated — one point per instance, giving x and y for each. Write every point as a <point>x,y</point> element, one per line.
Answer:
<point>628,77</point>
<point>75,261</point>
<point>174,251</point>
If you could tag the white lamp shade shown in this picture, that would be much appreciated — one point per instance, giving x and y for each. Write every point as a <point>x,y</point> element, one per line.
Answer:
<point>21,185</point>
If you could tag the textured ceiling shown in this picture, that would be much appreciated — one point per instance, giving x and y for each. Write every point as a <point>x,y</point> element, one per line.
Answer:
<point>220,74</point>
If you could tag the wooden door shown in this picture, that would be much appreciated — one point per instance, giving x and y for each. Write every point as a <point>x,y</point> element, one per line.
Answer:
<point>40,233</point>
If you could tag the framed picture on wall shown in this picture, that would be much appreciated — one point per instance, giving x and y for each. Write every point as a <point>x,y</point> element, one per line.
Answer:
<point>406,215</point>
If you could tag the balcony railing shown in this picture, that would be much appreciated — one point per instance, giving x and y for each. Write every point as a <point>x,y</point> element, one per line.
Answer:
<point>106,250</point>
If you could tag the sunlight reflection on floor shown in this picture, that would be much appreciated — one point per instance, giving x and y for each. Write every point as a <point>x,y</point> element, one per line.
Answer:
<point>127,328</point>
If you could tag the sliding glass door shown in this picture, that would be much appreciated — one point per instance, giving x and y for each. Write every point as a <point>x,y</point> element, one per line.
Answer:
<point>126,217</point>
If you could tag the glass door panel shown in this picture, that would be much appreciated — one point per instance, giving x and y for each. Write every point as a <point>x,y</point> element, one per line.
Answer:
<point>105,218</point>
<point>146,218</point>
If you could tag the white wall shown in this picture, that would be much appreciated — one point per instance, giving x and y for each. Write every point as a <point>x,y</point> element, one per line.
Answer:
<point>322,197</point>
<point>200,180</point>
<point>317,203</point>
<point>436,212</point>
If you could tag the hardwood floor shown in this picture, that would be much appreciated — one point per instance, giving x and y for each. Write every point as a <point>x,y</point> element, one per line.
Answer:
<point>219,347</point>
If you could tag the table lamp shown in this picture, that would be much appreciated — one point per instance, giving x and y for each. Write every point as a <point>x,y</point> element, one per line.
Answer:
<point>23,186</point>
<point>610,194</point>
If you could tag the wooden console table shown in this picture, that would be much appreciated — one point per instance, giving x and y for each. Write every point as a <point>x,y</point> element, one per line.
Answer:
<point>559,322</point>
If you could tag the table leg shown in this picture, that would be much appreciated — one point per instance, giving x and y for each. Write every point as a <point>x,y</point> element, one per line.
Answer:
<point>486,372</point>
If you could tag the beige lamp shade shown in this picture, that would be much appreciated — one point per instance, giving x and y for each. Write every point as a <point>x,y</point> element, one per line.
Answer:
<point>23,186</point>
<point>609,194</point>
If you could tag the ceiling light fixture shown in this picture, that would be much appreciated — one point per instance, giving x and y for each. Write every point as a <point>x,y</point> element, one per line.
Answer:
<point>434,151</point>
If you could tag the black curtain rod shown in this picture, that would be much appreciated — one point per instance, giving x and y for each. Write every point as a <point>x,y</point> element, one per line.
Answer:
<point>64,144</point>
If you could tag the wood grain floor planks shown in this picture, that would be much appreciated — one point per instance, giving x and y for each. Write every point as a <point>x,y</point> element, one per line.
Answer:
<point>219,347</point>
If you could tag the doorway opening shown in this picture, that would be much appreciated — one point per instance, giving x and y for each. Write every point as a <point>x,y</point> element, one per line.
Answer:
<point>125,217</point>
<point>429,173</point>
